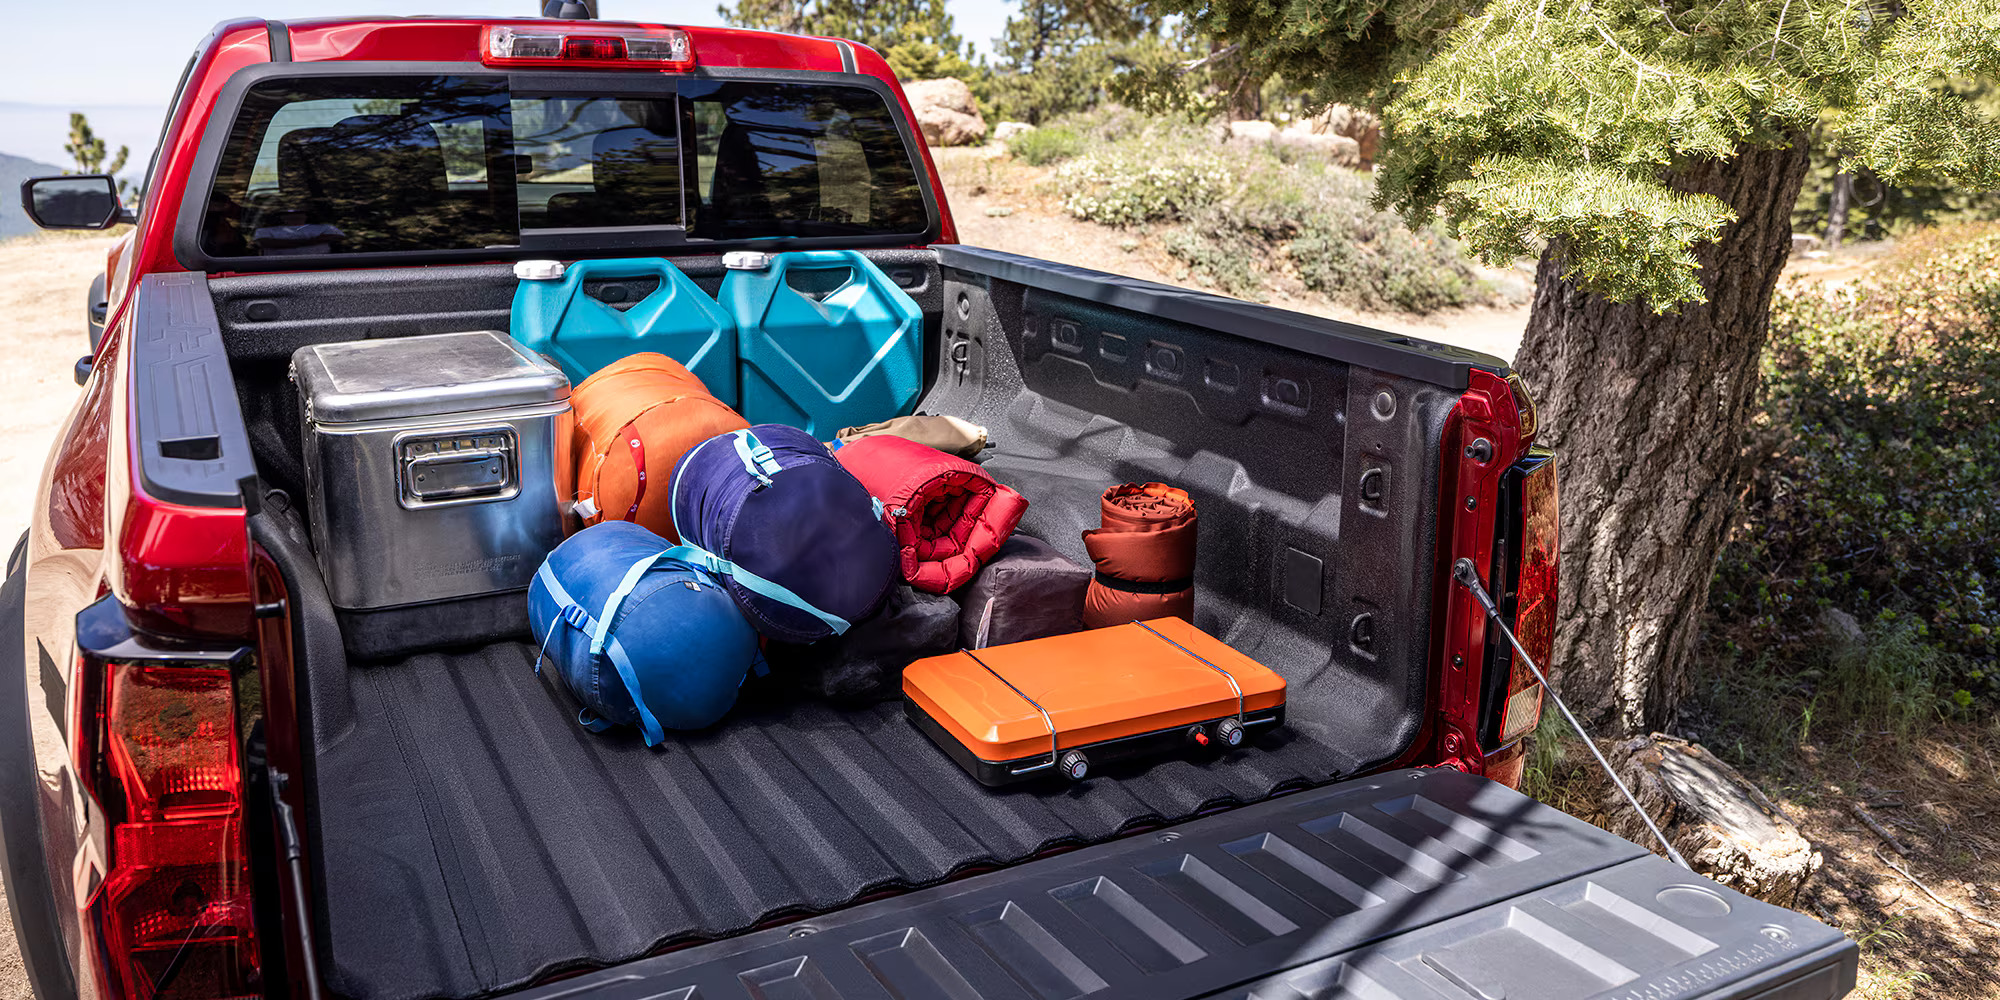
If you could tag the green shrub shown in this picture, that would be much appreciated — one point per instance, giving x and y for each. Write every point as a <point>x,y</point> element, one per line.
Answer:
<point>1244,214</point>
<point>1558,771</point>
<point>1378,264</point>
<point>1045,145</point>
<point>1876,463</point>
<point>1225,268</point>
<point>1889,681</point>
<point>1126,184</point>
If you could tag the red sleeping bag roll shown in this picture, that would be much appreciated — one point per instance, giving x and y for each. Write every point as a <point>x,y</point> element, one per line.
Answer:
<point>1144,555</point>
<point>948,515</point>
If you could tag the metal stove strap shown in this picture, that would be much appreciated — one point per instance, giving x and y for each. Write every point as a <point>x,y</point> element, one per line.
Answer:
<point>1226,675</point>
<point>1046,721</point>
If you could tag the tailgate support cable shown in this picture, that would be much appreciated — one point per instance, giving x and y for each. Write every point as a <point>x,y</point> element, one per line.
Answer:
<point>294,851</point>
<point>1467,576</point>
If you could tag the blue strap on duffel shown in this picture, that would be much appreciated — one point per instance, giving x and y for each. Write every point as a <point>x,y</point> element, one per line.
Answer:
<point>694,649</point>
<point>601,644</point>
<point>707,560</point>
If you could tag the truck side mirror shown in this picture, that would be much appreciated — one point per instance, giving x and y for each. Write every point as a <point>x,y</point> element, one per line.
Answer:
<point>73,201</point>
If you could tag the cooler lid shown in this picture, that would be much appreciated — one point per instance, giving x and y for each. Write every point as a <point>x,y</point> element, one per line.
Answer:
<point>422,376</point>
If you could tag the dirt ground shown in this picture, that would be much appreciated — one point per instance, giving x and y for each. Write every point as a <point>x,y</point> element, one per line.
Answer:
<point>1940,799</point>
<point>42,287</point>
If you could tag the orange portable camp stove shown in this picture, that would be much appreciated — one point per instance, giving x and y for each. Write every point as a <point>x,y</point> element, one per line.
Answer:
<point>1068,703</point>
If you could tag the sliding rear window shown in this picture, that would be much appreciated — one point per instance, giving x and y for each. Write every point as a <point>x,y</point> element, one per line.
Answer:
<point>392,164</point>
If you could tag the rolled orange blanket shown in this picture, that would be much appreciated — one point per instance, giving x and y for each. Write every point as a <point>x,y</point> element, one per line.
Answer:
<point>1144,554</point>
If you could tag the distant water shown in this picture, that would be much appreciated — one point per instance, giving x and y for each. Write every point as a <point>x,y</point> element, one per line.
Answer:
<point>38,131</point>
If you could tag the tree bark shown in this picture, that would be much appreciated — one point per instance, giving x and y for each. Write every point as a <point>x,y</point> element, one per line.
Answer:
<point>1836,213</point>
<point>1646,413</point>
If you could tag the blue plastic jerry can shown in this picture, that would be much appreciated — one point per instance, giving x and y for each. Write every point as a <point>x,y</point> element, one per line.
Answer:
<point>825,340</point>
<point>581,334</point>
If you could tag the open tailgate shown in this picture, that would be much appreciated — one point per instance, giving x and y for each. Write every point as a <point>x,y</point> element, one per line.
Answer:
<point>1415,884</point>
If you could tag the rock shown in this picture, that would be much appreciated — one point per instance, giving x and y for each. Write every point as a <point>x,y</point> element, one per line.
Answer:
<point>1364,128</point>
<point>1008,130</point>
<point>1340,149</point>
<point>1305,135</point>
<point>1804,243</point>
<point>946,112</point>
<point>1253,131</point>
<point>1840,628</point>
<point>1728,829</point>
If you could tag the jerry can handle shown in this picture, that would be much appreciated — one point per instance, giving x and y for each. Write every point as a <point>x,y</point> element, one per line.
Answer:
<point>863,269</point>
<point>621,267</point>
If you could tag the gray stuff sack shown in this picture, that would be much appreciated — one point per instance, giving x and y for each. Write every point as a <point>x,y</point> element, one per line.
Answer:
<point>1028,591</point>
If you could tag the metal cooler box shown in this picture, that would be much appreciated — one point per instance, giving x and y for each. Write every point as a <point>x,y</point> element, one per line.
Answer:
<point>434,470</point>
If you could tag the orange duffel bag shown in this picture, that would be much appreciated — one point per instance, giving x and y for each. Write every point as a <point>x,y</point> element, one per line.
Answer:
<point>635,418</point>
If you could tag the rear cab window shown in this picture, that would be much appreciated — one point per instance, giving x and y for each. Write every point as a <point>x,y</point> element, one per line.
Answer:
<point>339,165</point>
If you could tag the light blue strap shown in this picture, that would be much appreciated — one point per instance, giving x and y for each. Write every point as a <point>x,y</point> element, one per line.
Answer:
<point>655,734</point>
<point>698,556</point>
<point>604,618</point>
<point>757,458</point>
<point>674,489</point>
<point>547,576</point>
<point>573,613</point>
<point>568,611</point>
<point>878,507</point>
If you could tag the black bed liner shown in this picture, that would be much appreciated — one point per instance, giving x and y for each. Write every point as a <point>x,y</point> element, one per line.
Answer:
<point>474,838</point>
<point>1413,885</point>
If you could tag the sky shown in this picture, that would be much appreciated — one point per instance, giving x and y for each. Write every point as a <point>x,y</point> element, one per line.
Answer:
<point>136,49</point>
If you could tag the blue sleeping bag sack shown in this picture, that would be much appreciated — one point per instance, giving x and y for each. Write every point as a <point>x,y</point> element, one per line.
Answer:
<point>639,631</point>
<point>798,540</point>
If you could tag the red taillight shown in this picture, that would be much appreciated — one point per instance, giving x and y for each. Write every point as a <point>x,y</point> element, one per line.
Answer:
<point>172,749</point>
<point>1534,598</point>
<point>174,910</point>
<point>603,46</point>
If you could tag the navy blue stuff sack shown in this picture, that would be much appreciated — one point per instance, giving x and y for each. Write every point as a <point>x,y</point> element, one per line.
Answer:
<point>638,631</point>
<point>799,540</point>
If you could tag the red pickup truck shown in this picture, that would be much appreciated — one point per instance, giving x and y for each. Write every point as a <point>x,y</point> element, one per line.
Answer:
<point>208,788</point>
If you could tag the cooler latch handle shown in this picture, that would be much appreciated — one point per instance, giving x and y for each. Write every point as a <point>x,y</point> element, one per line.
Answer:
<point>460,467</point>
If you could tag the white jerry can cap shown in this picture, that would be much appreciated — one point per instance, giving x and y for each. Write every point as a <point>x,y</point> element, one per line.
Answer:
<point>746,260</point>
<point>538,270</point>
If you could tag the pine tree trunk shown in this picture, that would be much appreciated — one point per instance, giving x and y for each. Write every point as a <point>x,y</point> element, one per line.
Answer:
<point>1647,413</point>
<point>1836,213</point>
